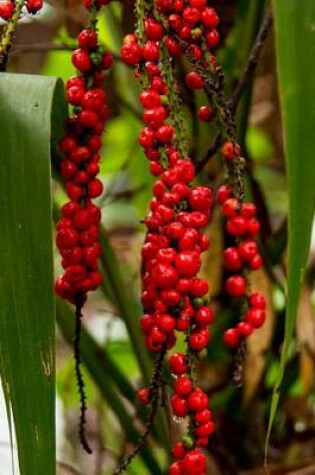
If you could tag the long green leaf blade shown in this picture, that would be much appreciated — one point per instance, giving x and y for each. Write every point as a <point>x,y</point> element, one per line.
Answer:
<point>295,45</point>
<point>27,307</point>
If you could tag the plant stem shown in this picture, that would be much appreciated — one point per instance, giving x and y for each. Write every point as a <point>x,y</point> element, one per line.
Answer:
<point>8,34</point>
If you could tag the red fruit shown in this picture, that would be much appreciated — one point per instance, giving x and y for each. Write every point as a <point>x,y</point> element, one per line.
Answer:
<point>178,450</point>
<point>236,226</point>
<point>187,263</point>
<point>231,259</point>
<point>87,39</point>
<point>253,226</point>
<point>75,273</point>
<point>256,317</point>
<point>183,386</point>
<point>205,113</point>
<point>166,323</point>
<point>75,95</point>
<point>248,249</point>
<point>245,328</point>
<point>172,47</point>
<point>231,338</point>
<point>131,53</point>
<point>236,286</point>
<point>153,30</point>
<point>202,417</point>
<point>176,469</point>
<point>165,133</point>
<point>257,300</point>
<point>68,209</point>
<point>146,323</point>
<point>248,210</point>
<point>209,18</point>
<point>144,396</point>
<point>205,430</point>
<point>194,80</point>
<point>230,150</point>
<point>154,117</point>
<point>165,276</point>
<point>66,238</point>
<point>67,169</point>
<point>175,230</point>
<point>191,15</point>
<point>81,60</point>
<point>223,194</point>
<point>94,99</point>
<point>179,406</point>
<point>96,279</point>
<point>81,219</point>
<point>212,39</point>
<point>204,316</point>
<point>151,52</point>
<point>200,198</point>
<point>95,188</point>
<point>198,341</point>
<point>150,98</point>
<point>33,6</point>
<point>178,363</point>
<point>229,207</point>
<point>255,263</point>
<point>194,463</point>
<point>197,400</point>
<point>200,4</point>
<point>80,154</point>
<point>199,288</point>
<point>74,191</point>
<point>6,10</point>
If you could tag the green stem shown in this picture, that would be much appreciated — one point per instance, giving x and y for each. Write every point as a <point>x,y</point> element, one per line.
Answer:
<point>176,111</point>
<point>8,34</point>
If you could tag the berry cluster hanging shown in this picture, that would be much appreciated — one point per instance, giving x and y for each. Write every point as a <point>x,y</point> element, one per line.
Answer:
<point>78,233</point>
<point>174,297</point>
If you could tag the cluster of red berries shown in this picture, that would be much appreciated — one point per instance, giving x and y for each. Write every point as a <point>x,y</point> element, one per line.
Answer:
<point>78,230</point>
<point>7,8</point>
<point>173,297</point>
<point>243,226</point>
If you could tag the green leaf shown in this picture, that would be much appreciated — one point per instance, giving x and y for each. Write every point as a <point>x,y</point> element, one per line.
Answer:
<point>27,307</point>
<point>295,45</point>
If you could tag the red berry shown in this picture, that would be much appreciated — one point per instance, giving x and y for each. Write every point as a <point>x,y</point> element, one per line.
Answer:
<point>202,417</point>
<point>144,396</point>
<point>223,194</point>
<point>33,6</point>
<point>178,450</point>
<point>209,18</point>
<point>95,188</point>
<point>256,317</point>
<point>231,338</point>
<point>205,113</point>
<point>199,340</point>
<point>187,263</point>
<point>204,316</point>
<point>179,406</point>
<point>248,249</point>
<point>257,300</point>
<point>245,328</point>
<point>236,286</point>
<point>231,259</point>
<point>6,10</point>
<point>197,400</point>
<point>194,463</point>
<point>153,30</point>
<point>178,363</point>
<point>255,263</point>
<point>183,386</point>
<point>236,226</point>
<point>87,39</point>
<point>131,53</point>
<point>230,150</point>
<point>194,80</point>
<point>81,60</point>
<point>165,276</point>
